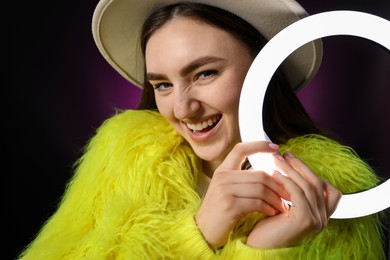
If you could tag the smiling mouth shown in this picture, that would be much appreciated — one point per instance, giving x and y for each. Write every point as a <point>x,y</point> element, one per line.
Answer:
<point>205,125</point>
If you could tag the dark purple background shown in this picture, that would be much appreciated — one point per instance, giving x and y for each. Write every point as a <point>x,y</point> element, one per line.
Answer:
<point>62,90</point>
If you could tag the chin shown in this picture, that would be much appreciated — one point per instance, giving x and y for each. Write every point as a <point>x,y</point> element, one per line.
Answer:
<point>207,153</point>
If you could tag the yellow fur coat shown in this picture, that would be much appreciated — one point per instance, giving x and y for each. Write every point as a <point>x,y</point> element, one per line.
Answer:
<point>133,196</point>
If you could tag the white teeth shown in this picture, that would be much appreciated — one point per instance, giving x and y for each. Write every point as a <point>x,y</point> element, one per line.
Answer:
<point>204,124</point>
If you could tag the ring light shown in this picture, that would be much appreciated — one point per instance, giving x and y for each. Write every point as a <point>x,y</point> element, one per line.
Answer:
<point>268,60</point>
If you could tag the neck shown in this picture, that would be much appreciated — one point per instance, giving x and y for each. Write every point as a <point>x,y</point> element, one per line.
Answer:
<point>209,167</point>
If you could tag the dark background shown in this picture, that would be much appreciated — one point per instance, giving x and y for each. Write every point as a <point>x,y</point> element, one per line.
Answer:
<point>62,90</point>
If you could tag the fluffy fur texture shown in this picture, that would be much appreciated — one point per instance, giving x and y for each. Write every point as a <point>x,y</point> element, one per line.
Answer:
<point>133,196</point>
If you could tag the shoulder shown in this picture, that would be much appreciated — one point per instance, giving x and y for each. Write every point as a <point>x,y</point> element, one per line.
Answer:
<point>333,161</point>
<point>314,146</point>
<point>133,132</point>
<point>132,125</point>
<point>136,120</point>
<point>309,142</point>
<point>137,145</point>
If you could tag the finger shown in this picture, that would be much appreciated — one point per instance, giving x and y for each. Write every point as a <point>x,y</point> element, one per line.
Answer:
<point>299,180</point>
<point>295,194</point>
<point>282,192</point>
<point>250,176</point>
<point>240,151</point>
<point>255,176</point>
<point>316,184</point>
<point>258,191</point>
<point>249,205</point>
<point>253,184</point>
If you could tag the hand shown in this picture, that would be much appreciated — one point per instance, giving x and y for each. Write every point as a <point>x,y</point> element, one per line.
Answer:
<point>234,192</point>
<point>313,202</point>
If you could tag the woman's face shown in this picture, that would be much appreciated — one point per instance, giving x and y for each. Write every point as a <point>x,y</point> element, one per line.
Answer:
<point>197,71</point>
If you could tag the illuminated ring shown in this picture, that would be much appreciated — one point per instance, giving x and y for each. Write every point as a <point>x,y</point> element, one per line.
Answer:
<point>268,60</point>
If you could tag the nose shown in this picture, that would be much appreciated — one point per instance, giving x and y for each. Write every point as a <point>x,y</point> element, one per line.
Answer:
<point>185,104</point>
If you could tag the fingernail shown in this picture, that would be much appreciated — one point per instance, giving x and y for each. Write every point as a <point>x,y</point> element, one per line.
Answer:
<point>288,154</point>
<point>279,157</point>
<point>273,146</point>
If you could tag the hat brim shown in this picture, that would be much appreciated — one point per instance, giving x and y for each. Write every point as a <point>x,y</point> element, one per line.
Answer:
<point>116,26</point>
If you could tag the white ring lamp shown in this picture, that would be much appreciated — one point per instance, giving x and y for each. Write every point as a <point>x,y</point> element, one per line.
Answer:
<point>268,60</point>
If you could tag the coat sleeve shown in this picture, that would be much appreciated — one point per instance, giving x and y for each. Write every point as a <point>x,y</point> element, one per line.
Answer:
<point>132,197</point>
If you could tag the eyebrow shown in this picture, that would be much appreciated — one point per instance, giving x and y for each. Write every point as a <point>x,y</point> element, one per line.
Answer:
<point>193,65</point>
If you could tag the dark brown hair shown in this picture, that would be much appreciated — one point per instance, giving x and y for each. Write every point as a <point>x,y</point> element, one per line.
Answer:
<point>284,117</point>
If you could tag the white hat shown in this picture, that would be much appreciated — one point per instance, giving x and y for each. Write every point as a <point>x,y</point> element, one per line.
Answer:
<point>116,27</point>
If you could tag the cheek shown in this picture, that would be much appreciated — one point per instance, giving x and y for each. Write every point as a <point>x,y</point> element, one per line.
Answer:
<point>237,83</point>
<point>165,108</point>
<point>230,95</point>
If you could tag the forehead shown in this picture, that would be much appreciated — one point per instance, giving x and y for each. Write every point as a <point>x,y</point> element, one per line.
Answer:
<point>186,38</point>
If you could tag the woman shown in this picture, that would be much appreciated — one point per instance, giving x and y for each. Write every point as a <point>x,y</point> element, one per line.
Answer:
<point>170,180</point>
